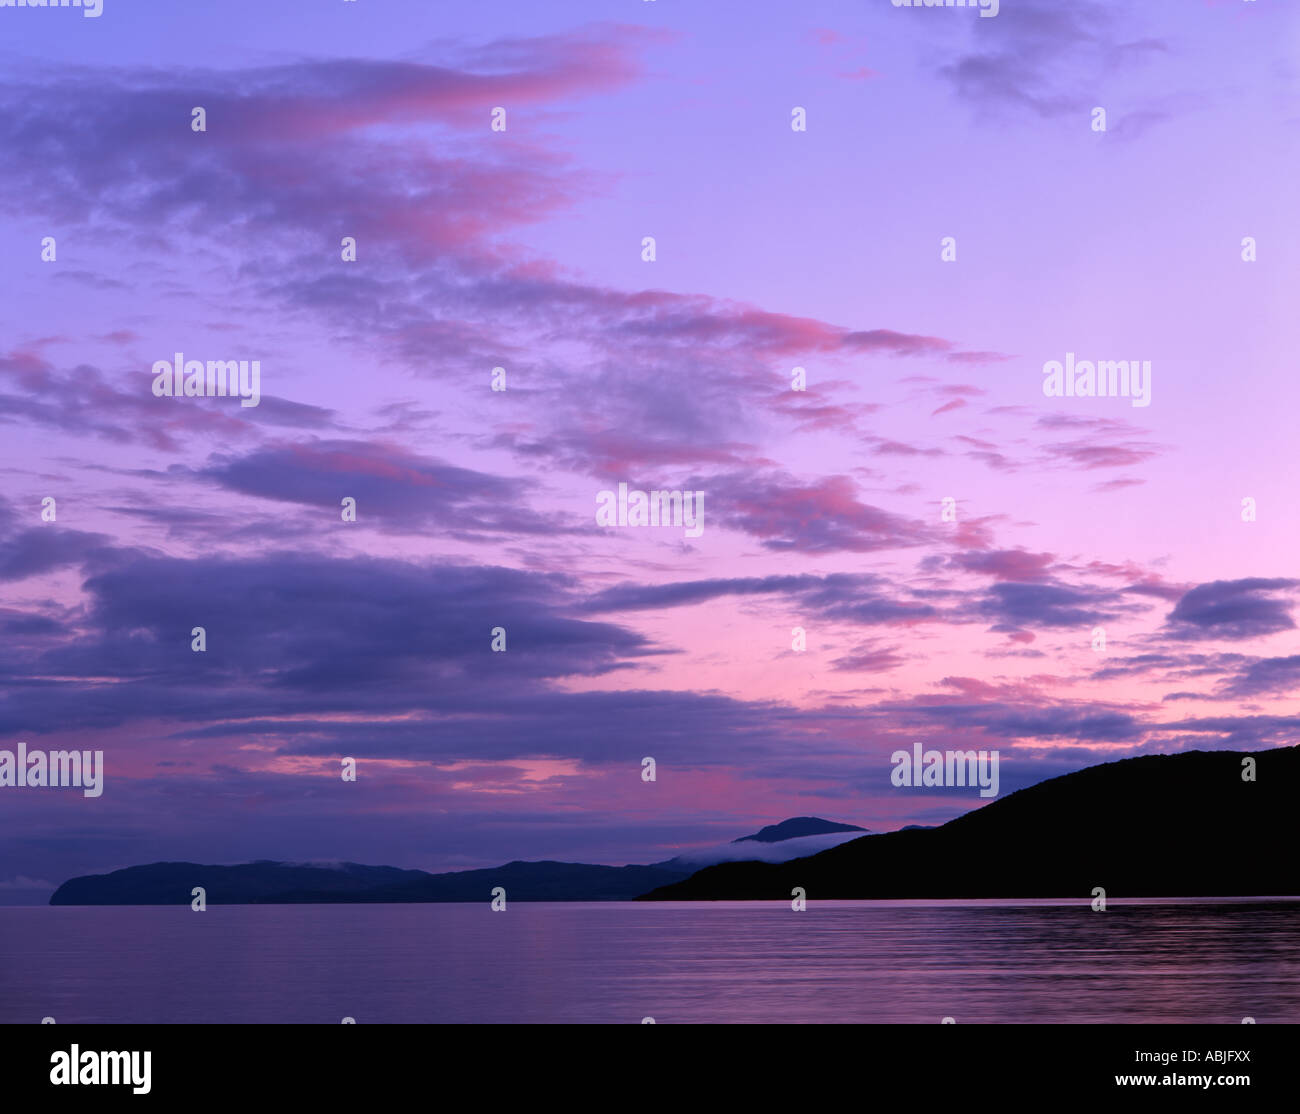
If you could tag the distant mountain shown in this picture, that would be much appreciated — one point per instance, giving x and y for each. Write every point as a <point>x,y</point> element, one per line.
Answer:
<point>798,826</point>
<point>791,839</point>
<point>536,881</point>
<point>277,883</point>
<point>751,851</point>
<point>1164,825</point>
<point>245,883</point>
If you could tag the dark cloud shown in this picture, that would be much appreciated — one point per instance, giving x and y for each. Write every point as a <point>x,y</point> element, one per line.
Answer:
<point>1232,732</point>
<point>291,634</point>
<point>821,516</point>
<point>869,658</point>
<point>1041,55</point>
<point>390,484</point>
<point>1005,564</point>
<point>1267,675</point>
<point>43,546</point>
<point>848,597</point>
<point>1169,665</point>
<point>1232,609</point>
<point>1083,723</point>
<point>1012,606</point>
<point>83,401</point>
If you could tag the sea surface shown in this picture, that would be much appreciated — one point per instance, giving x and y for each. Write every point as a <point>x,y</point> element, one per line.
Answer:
<point>678,962</point>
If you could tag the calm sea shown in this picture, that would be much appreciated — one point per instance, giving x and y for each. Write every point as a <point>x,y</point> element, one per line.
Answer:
<point>888,961</point>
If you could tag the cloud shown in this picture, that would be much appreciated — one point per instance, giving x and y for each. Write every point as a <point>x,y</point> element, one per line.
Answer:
<point>392,484</point>
<point>849,597</point>
<point>82,401</point>
<point>1014,605</point>
<point>1169,667</point>
<point>398,156</point>
<point>869,658</point>
<point>1232,609</point>
<point>271,155</point>
<point>1041,55</point>
<point>292,634</point>
<point>1010,714</point>
<point>1005,564</point>
<point>42,547</point>
<point>821,516</point>
<point>1089,454</point>
<point>1267,675</point>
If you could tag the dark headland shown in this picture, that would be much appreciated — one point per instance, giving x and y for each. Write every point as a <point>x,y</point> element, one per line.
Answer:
<point>1183,825</point>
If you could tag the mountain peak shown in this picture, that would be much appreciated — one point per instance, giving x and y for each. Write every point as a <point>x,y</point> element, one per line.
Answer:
<point>798,826</point>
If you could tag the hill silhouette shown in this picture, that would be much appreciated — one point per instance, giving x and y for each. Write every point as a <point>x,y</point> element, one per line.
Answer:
<point>1183,825</point>
<point>274,883</point>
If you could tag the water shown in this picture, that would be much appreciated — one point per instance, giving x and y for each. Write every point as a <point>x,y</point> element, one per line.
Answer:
<point>849,961</point>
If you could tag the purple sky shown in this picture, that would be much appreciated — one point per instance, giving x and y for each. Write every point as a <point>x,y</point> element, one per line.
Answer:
<point>522,249</point>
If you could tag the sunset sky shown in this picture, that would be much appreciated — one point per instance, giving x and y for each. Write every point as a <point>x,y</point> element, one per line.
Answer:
<point>522,249</point>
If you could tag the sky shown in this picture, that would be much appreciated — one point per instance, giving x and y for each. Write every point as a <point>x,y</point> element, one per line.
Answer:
<point>949,538</point>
